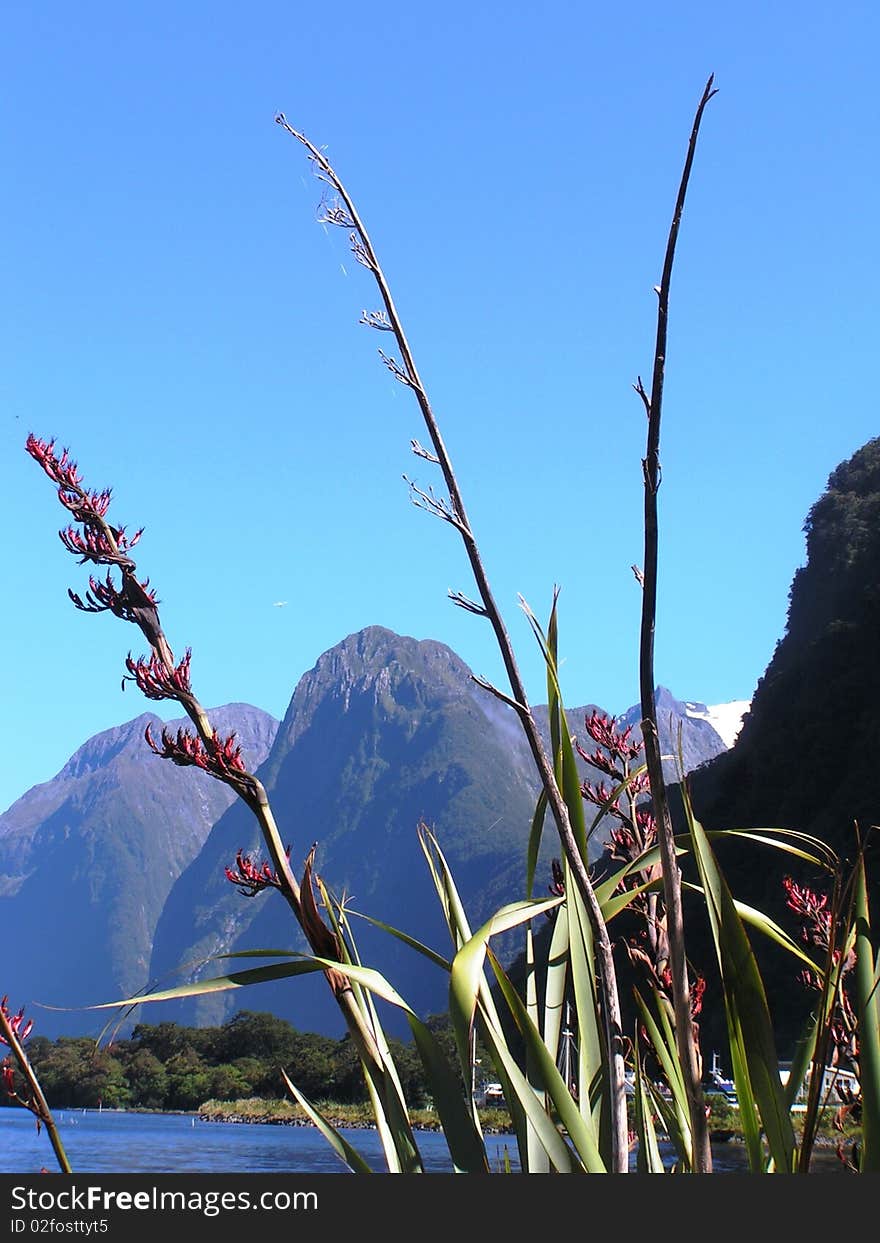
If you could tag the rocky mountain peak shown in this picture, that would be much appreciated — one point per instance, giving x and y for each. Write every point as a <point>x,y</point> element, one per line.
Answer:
<point>388,670</point>
<point>101,749</point>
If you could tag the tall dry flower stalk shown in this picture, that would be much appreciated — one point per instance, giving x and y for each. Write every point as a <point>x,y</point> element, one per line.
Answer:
<point>338,209</point>
<point>653,402</point>
<point>94,540</point>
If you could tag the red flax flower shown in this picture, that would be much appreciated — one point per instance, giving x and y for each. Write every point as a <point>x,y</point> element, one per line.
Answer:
<point>20,1030</point>
<point>156,681</point>
<point>105,597</point>
<point>697,990</point>
<point>61,470</point>
<point>15,1022</point>
<point>251,878</point>
<point>647,824</point>
<point>600,760</point>
<point>98,541</point>
<point>613,751</point>
<point>622,844</point>
<point>600,795</point>
<point>813,910</point>
<point>93,545</point>
<point>602,729</point>
<point>221,758</point>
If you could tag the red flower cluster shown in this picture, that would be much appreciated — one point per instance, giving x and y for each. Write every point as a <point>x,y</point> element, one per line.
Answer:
<point>660,974</point>
<point>818,929</point>
<point>221,758</point>
<point>648,825</point>
<point>627,841</point>
<point>600,760</point>
<point>15,1022</point>
<point>104,596</point>
<point>813,910</point>
<point>61,470</point>
<point>156,681</point>
<point>613,752</point>
<point>99,541</point>
<point>602,731</point>
<point>697,990</point>
<point>93,545</point>
<point>600,795</point>
<point>252,878</point>
<point>624,846</point>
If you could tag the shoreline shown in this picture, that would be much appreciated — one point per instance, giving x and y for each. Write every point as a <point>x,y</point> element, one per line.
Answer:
<point>284,1113</point>
<point>354,1117</point>
<point>255,1111</point>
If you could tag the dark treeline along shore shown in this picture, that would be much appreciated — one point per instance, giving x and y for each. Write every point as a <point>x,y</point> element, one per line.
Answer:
<point>170,1067</point>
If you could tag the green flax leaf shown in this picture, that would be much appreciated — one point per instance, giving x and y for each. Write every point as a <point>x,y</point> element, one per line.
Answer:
<point>868,1014</point>
<point>340,1145</point>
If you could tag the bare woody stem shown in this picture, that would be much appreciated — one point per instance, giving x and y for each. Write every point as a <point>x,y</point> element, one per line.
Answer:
<point>455,513</point>
<point>684,1032</point>
<point>36,1101</point>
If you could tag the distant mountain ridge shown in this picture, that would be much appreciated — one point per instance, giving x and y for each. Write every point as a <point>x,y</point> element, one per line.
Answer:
<point>726,719</point>
<point>383,731</point>
<point>88,859</point>
<point>115,868</point>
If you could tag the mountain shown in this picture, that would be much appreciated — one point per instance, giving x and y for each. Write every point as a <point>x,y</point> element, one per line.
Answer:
<point>88,859</point>
<point>384,731</point>
<point>701,732</point>
<point>113,873</point>
<point>805,759</point>
<point>726,719</point>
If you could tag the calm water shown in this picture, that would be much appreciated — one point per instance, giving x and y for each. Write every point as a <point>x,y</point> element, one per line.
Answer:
<point>119,1143</point>
<point>122,1143</point>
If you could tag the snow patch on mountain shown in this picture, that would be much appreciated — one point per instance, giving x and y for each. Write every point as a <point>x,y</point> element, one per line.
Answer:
<point>725,719</point>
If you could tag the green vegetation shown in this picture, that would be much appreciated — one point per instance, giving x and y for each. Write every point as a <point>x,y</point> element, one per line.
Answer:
<point>285,1112</point>
<point>168,1067</point>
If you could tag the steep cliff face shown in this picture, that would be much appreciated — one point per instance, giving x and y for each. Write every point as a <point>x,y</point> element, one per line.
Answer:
<point>806,757</point>
<point>87,861</point>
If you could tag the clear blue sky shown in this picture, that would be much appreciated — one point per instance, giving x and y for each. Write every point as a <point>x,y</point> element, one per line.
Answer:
<point>174,313</point>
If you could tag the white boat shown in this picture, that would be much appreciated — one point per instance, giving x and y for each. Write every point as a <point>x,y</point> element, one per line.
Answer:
<point>719,1082</point>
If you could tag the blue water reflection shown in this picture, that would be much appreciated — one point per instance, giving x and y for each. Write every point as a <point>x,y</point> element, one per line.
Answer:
<point>129,1143</point>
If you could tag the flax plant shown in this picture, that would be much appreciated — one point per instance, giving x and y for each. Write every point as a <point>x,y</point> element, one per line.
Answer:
<point>94,540</point>
<point>13,1034</point>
